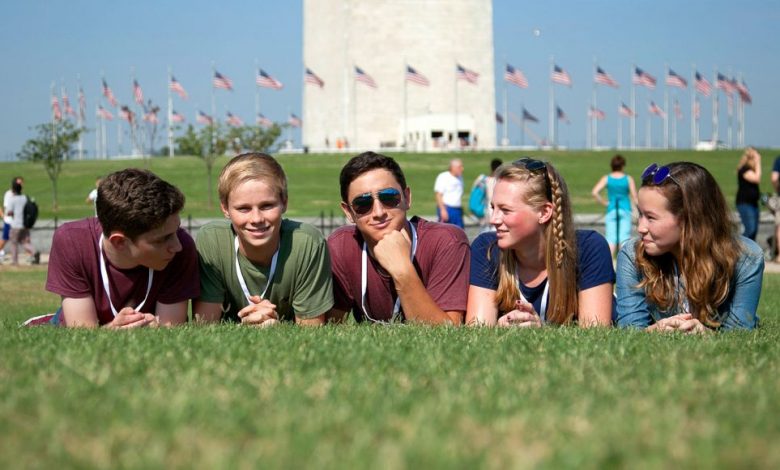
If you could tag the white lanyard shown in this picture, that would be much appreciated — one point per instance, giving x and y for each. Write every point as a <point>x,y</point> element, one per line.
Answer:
<point>270,273</point>
<point>546,291</point>
<point>364,277</point>
<point>104,278</point>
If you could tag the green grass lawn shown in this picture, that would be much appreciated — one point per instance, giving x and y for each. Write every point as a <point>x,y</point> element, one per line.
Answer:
<point>313,179</point>
<point>382,397</point>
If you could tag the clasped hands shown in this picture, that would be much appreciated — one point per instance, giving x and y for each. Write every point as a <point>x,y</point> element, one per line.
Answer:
<point>683,322</point>
<point>523,316</point>
<point>260,313</point>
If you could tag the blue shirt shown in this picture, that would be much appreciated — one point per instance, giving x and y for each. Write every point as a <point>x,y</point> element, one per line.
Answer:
<point>618,193</point>
<point>737,311</point>
<point>594,265</point>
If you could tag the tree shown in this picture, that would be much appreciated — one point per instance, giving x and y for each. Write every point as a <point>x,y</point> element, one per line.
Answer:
<point>207,144</point>
<point>51,148</point>
<point>253,138</point>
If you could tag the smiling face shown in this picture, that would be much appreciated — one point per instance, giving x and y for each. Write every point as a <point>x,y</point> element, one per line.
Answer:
<point>380,220</point>
<point>157,247</point>
<point>517,223</point>
<point>255,209</point>
<point>657,226</point>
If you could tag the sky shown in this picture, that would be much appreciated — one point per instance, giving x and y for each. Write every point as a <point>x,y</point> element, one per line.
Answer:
<point>50,42</point>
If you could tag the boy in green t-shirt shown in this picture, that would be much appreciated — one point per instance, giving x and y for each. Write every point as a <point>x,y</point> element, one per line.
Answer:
<point>257,268</point>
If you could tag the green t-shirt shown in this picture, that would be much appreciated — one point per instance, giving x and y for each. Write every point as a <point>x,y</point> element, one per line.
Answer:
<point>302,283</point>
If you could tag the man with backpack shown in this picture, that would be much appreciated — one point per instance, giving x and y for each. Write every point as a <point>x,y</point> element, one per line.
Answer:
<point>19,232</point>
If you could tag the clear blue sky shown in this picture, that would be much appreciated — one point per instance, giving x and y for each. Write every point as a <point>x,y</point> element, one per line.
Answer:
<point>46,42</point>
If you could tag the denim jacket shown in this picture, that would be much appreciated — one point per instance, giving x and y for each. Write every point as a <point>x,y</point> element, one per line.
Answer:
<point>737,311</point>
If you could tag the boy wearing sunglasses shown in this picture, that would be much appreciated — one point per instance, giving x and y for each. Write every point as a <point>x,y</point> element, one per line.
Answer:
<point>387,268</point>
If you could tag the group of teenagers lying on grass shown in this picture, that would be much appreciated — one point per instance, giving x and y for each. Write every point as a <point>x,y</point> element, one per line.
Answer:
<point>133,266</point>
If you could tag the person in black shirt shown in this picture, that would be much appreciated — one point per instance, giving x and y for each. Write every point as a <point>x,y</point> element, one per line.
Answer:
<point>748,194</point>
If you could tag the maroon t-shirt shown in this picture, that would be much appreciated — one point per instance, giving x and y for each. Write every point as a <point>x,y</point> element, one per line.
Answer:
<point>74,271</point>
<point>442,262</point>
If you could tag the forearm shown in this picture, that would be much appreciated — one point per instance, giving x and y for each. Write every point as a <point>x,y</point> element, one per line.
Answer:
<point>440,201</point>
<point>417,304</point>
<point>206,312</point>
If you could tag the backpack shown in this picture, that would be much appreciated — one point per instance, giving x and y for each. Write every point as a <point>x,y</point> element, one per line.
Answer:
<point>30,213</point>
<point>478,197</point>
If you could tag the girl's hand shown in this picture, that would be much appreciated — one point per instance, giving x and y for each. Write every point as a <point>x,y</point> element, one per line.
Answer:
<point>523,316</point>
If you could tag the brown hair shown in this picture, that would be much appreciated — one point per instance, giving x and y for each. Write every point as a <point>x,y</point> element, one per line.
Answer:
<point>561,250</point>
<point>709,247</point>
<point>134,201</point>
<point>248,167</point>
<point>748,158</point>
<point>617,163</point>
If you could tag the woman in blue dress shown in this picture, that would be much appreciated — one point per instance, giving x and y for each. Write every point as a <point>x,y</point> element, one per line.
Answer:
<point>621,193</point>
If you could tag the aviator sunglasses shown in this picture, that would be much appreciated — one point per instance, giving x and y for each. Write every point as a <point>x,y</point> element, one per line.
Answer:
<point>390,198</point>
<point>657,174</point>
<point>531,164</point>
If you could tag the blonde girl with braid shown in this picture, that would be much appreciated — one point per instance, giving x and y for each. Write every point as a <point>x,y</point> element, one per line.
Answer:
<point>535,268</point>
<point>689,270</point>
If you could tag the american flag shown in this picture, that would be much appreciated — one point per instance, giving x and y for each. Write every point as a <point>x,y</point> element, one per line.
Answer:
<point>672,79</point>
<point>175,86</point>
<point>151,116</point>
<point>625,111</point>
<point>702,85</point>
<point>82,104</point>
<point>233,120</point>
<point>655,109</point>
<point>126,114</point>
<point>594,113</point>
<point>221,81</point>
<point>514,76</point>
<point>744,93</point>
<point>363,77</point>
<point>311,77</point>
<point>105,114</point>
<point>109,94</point>
<point>204,118</point>
<point>294,120</point>
<point>724,84</point>
<point>560,76</point>
<point>677,110</point>
<point>414,76</point>
<point>643,78</point>
<point>55,108</point>
<point>528,116</point>
<point>267,81</point>
<point>66,104</point>
<point>263,121</point>
<point>561,115</point>
<point>138,94</point>
<point>696,110</point>
<point>462,73</point>
<point>499,118</point>
<point>603,78</point>
<point>176,117</point>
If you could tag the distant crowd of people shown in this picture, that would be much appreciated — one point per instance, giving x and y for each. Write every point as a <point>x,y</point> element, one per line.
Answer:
<point>688,270</point>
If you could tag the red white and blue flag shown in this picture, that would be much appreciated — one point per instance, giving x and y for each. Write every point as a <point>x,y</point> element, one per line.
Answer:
<point>104,114</point>
<point>109,94</point>
<point>561,115</point>
<point>414,76</point>
<point>233,120</point>
<point>363,77</point>
<point>294,121</point>
<point>56,112</point>
<point>604,78</point>
<point>677,110</point>
<point>744,93</point>
<point>151,116</point>
<point>263,121</point>
<point>499,118</point>
<point>311,77</point>
<point>462,73</point>
<point>267,81</point>
<point>702,85</point>
<point>176,117</point>
<point>176,87</point>
<point>221,81</point>
<point>625,111</point>
<point>138,94</point>
<point>595,113</point>
<point>528,116</point>
<point>66,104</point>
<point>643,78</point>
<point>560,76</point>
<point>725,84</point>
<point>204,118</point>
<point>126,114</point>
<point>655,109</point>
<point>672,79</point>
<point>515,77</point>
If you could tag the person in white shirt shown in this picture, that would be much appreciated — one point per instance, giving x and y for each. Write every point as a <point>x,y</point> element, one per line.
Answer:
<point>449,192</point>
<point>7,218</point>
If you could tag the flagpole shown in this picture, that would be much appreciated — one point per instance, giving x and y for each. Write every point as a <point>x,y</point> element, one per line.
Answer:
<point>505,140</point>
<point>595,140</point>
<point>345,12</point>
<point>633,108</point>
<point>406,115</point>
<point>98,152</point>
<point>354,109</point>
<point>455,135</point>
<point>257,89</point>
<point>80,119</point>
<point>693,106</point>
<point>551,130</point>
<point>213,108</point>
<point>589,128</point>
<point>648,131</point>
<point>171,151</point>
<point>730,110</point>
<point>715,110</point>
<point>620,127</point>
<point>666,108</point>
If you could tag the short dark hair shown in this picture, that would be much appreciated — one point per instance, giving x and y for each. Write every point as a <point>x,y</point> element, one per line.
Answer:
<point>16,179</point>
<point>16,188</point>
<point>494,164</point>
<point>134,201</point>
<point>617,163</point>
<point>364,163</point>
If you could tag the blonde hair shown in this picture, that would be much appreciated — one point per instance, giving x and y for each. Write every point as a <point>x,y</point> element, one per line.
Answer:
<point>709,245</point>
<point>248,167</point>
<point>560,255</point>
<point>748,158</point>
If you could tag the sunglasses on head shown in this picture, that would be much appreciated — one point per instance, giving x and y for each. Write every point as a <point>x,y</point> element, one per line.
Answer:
<point>657,174</point>
<point>390,198</point>
<point>531,164</point>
